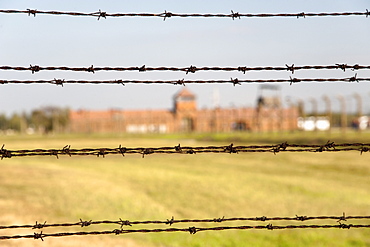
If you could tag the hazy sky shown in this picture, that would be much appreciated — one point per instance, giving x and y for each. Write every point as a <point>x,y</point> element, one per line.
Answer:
<point>47,40</point>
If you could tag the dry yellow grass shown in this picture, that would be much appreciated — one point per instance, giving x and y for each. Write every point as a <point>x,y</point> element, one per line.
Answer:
<point>184,186</point>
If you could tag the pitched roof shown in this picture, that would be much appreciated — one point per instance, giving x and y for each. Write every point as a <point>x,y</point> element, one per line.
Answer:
<point>184,93</point>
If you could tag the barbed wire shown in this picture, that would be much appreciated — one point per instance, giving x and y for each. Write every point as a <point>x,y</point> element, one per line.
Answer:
<point>191,230</point>
<point>234,15</point>
<point>191,69</point>
<point>235,81</point>
<point>172,221</point>
<point>283,147</point>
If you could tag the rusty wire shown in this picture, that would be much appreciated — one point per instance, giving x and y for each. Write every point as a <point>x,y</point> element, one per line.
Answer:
<point>283,147</point>
<point>235,81</point>
<point>172,221</point>
<point>191,230</point>
<point>234,15</point>
<point>191,69</point>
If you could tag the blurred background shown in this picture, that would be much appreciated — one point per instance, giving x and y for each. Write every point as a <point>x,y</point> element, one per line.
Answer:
<point>184,186</point>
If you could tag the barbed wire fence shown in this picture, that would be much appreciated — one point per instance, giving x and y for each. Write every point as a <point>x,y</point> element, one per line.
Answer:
<point>102,152</point>
<point>233,81</point>
<point>283,147</point>
<point>192,230</point>
<point>171,221</point>
<point>165,15</point>
<point>191,69</point>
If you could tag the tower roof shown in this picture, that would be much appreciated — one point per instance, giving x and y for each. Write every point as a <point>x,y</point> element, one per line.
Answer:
<point>184,93</point>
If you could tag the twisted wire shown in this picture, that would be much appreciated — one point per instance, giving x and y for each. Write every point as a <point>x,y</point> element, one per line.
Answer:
<point>234,81</point>
<point>191,69</point>
<point>191,230</point>
<point>233,15</point>
<point>283,147</point>
<point>172,221</point>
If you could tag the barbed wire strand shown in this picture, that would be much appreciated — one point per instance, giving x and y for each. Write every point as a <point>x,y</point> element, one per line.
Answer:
<point>283,147</point>
<point>235,81</point>
<point>165,15</point>
<point>191,69</point>
<point>172,221</point>
<point>191,230</point>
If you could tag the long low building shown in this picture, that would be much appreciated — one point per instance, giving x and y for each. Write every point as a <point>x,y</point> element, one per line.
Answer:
<point>185,117</point>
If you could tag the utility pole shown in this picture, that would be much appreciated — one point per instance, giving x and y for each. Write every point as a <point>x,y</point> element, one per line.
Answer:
<point>328,111</point>
<point>314,111</point>
<point>343,118</point>
<point>359,109</point>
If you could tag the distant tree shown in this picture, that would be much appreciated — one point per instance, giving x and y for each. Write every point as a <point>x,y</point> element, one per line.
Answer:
<point>3,122</point>
<point>14,122</point>
<point>49,119</point>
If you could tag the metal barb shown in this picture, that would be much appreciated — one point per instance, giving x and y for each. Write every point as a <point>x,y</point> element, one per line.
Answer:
<point>101,153</point>
<point>301,218</point>
<point>180,82</point>
<point>235,81</point>
<point>171,221</point>
<point>191,69</point>
<point>270,227</point>
<point>58,82</point>
<point>166,15</point>
<point>219,219</point>
<point>275,150</point>
<point>302,14</point>
<point>38,236</point>
<point>242,69</point>
<point>235,14</point>
<point>367,13</point>
<point>102,14</point>
<point>122,150</point>
<point>192,230</point>
<point>364,149</point>
<point>290,68</point>
<point>66,150</point>
<point>5,153</point>
<point>293,80</point>
<point>353,78</point>
<point>178,148</point>
<point>342,218</point>
<point>345,226</point>
<point>119,82</point>
<point>85,223</point>
<point>263,218</point>
<point>39,225</point>
<point>230,149</point>
<point>342,66</point>
<point>142,68</point>
<point>55,152</point>
<point>32,12</point>
<point>117,231</point>
<point>124,223</point>
<point>329,145</point>
<point>147,151</point>
<point>34,69</point>
<point>91,69</point>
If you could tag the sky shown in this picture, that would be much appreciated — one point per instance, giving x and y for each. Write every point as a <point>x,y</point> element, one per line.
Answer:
<point>49,40</point>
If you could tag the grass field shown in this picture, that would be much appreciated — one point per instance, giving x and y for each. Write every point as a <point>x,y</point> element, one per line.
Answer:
<point>158,187</point>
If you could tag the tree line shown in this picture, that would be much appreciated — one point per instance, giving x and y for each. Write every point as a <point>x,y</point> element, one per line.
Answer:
<point>42,120</point>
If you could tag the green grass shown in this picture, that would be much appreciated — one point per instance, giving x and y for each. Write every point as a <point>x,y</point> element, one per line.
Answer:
<point>158,187</point>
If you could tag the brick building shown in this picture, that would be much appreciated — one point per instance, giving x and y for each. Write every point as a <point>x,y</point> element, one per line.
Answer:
<point>186,117</point>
